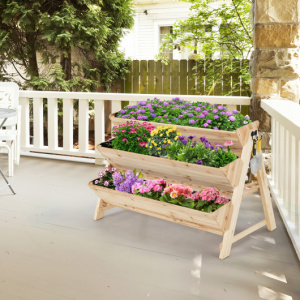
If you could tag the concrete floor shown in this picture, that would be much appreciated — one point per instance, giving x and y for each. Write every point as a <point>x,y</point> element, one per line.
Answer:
<point>52,249</point>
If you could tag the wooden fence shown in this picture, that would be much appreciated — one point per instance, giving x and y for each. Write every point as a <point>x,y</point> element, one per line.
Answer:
<point>179,78</point>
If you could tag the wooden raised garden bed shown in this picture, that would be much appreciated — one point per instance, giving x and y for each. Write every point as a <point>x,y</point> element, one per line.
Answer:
<point>218,136</point>
<point>214,222</point>
<point>229,179</point>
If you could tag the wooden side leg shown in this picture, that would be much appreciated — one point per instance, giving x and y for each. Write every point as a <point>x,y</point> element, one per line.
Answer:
<point>101,208</point>
<point>99,211</point>
<point>266,198</point>
<point>233,216</point>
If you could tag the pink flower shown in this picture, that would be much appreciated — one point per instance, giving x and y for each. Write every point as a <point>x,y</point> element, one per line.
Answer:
<point>228,144</point>
<point>106,183</point>
<point>205,124</point>
<point>124,140</point>
<point>174,194</point>
<point>142,144</point>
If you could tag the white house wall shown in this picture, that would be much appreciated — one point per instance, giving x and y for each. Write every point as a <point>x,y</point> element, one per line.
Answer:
<point>142,42</point>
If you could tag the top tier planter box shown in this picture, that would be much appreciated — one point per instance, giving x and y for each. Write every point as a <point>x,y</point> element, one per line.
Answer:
<point>238,136</point>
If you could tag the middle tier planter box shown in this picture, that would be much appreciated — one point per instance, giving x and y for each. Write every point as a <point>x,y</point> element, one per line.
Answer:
<point>214,222</point>
<point>238,136</point>
<point>226,178</point>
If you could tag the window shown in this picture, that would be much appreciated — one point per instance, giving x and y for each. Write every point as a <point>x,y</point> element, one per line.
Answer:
<point>163,30</point>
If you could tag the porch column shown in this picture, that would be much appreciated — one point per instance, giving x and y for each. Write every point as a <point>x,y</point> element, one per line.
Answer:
<point>275,62</point>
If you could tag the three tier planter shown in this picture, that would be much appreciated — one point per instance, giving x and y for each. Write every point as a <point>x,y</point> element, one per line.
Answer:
<point>229,179</point>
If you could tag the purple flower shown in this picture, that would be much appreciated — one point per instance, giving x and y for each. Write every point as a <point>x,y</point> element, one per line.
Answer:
<point>235,111</point>
<point>205,113</point>
<point>132,112</point>
<point>247,117</point>
<point>202,116</point>
<point>232,118</point>
<point>190,137</point>
<point>184,142</point>
<point>164,111</point>
<point>216,128</point>
<point>181,137</point>
<point>122,111</point>
<point>142,111</point>
<point>153,115</point>
<point>145,118</point>
<point>190,115</point>
<point>228,113</point>
<point>143,102</point>
<point>245,122</point>
<point>140,117</point>
<point>159,117</point>
<point>208,121</point>
<point>222,113</point>
<point>216,117</point>
<point>180,116</point>
<point>215,111</point>
<point>132,118</point>
<point>220,107</point>
<point>192,121</point>
<point>205,125</point>
<point>199,162</point>
<point>198,109</point>
<point>165,116</point>
<point>202,139</point>
<point>165,104</point>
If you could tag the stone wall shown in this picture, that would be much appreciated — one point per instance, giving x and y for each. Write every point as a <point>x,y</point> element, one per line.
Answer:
<point>275,62</point>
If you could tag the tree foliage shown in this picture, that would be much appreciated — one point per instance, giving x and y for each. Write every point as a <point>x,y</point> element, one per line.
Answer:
<point>214,30</point>
<point>64,44</point>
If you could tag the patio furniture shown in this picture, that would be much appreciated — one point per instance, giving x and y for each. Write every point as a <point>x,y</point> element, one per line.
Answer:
<point>10,136</point>
<point>7,135</point>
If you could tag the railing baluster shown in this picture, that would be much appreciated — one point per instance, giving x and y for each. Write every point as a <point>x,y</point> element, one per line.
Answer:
<point>99,122</point>
<point>297,188</point>
<point>83,125</point>
<point>38,123</point>
<point>52,123</point>
<point>68,124</point>
<point>25,123</point>
<point>273,139</point>
<point>287,163</point>
<point>277,158</point>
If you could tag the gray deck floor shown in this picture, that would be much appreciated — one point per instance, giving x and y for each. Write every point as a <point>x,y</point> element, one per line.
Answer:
<point>51,248</point>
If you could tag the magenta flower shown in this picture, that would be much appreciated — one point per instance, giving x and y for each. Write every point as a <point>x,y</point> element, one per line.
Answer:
<point>208,121</point>
<point>216,128</point>
<point>202,116</point>
<point>106,183</point>
<point>232,118</point>
<point>124,140</point>
<point>205,125</point>
<point>228,144</point>
<point>142,144</point>
<point>216,117</point>
<point>192,121</point>
<point>245,122</point>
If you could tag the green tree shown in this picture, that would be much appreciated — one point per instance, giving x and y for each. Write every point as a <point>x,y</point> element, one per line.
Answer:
<point>64,44</point>
<point>214,30</point>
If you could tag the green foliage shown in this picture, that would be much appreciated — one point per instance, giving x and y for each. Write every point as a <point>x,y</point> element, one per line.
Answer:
<point>64,45</point>
<point>214,30</point>
<point>202,153</point>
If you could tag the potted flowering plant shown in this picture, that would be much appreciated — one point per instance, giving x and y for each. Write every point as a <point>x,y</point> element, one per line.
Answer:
<point>184,113</point>
<point>106,178</point>
<point>152,189</point>
<point>131,137</point>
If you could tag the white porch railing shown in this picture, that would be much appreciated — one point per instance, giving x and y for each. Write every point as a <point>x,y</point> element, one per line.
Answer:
<point>33,103</point>
<point>285,175</point>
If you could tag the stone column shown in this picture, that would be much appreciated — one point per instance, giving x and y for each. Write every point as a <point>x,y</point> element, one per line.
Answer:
<point>275,62</point>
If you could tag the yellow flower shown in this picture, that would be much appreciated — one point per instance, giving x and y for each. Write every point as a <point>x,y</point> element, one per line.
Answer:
<point>164,141</point>
<point>158,152</point>
<point>158,148</point>
<point>150,147</point>
<point>176,138</point>
<point>161,135</point>
<point>169,142</point>
<point>155,144</point>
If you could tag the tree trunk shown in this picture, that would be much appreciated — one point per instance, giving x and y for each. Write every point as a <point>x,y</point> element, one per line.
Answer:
<point>33,69</point>
<point>66,64</point>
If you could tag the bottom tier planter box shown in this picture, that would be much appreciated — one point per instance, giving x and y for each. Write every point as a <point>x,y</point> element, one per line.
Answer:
<point>214,222</point>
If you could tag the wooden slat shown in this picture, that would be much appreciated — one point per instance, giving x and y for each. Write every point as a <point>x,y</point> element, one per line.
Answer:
<point>143,77</point>
<point>183,77</point>
<point>52,123</point>
<point>175,78</point>
<point>25,122</point>
<point>200,77</point>
<point>38,122</point>
<point>159,78</point>
<point>191,77</point>
<point>68,124</point>
<point>83,127</point>
<point>151,77</point>
<point>218,78</point>
<point>166,89</point>
<point>136,76</point>
<point>128,80</point>
<point>99,120</point>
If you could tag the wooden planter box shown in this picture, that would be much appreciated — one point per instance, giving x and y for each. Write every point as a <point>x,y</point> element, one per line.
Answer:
<point>226,178</point>
<point>214,222</point>
<point>218,136</point>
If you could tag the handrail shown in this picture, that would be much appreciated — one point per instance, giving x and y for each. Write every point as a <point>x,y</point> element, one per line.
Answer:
<point>285,175</point>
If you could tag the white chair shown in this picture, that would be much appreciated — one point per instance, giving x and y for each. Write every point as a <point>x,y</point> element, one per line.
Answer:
<point>10,136</point>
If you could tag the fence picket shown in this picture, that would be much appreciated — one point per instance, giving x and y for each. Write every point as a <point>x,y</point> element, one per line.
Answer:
<point>135,76</point>
<point>191,77</point>
<point>175,77</point>
<point>166,79</point>
<point>183,77</point>
<point>151,77</point>
<point>143,77</point>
